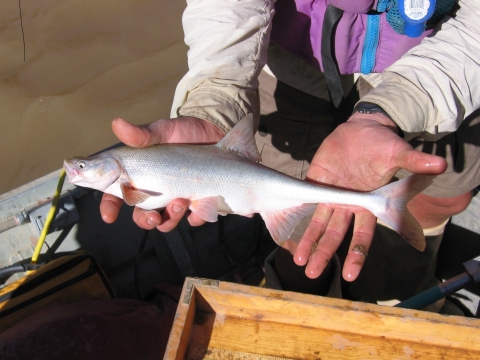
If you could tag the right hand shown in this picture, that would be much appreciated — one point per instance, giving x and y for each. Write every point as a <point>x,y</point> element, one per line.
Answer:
<point>180,130</point>
<point>362,154</point>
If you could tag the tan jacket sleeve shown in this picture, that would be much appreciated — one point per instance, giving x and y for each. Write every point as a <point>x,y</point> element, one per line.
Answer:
<point>431,89</point>
<point>228,42</point>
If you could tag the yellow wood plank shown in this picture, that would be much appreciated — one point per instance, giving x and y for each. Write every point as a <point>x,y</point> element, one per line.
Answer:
<point>195,352</point>
<point>181,329</point>
<point>236,320</point>
<point>289,341</point>
<point>341,315</point>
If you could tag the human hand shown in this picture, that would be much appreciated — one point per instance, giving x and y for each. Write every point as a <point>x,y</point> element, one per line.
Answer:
<point>362,154</point>
<point>179,130</point>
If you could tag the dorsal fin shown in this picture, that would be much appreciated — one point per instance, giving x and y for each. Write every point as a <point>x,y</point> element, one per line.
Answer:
<point>241,139</point>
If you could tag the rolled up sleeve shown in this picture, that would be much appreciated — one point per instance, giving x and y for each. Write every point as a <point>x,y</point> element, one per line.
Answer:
<point>435,86</point>
<point>228,42</point>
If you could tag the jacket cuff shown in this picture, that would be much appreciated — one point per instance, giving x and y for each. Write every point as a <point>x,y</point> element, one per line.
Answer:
<point>405,104</point>
<point>219,108</point>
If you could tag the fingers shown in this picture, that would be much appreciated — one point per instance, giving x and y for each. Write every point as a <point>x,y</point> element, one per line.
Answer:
<point>166,221</point>
<point>314,231</point>
<point>110,207</point>
<point>324,235</point>
<point>418,162</point>
<point>172,215</point>
<point>328,226</point>
<point>184,130</point>
<point>195,220</point>
<point>134,135</point>
<point>363,230</point>
<point>179,130</point>
<point>147,219</point>
<point>328,243</point>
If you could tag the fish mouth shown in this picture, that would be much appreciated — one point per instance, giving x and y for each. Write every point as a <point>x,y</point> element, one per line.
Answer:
<point>72,174</point>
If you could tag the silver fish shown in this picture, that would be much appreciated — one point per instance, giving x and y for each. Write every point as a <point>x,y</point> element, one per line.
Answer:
<point>226,178</point>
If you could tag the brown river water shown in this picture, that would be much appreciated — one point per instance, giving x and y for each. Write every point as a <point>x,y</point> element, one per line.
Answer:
<point>74,67</point>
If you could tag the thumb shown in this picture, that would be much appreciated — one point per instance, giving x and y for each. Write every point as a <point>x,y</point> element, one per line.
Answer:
<point>132,135</point>
<point>418,162</point>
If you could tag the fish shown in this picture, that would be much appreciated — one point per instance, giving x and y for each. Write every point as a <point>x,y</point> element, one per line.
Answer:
<point>227,178</point>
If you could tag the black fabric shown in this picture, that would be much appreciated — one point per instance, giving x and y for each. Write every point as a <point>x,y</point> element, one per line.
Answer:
<point>332,75</point>
<point>281,273</point>
<point>393,269</point>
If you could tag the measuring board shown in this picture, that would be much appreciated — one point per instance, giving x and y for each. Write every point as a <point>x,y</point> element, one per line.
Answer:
<point>198,352</point>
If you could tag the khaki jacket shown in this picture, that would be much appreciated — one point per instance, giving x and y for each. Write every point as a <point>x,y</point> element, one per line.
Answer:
<point>428,92</point>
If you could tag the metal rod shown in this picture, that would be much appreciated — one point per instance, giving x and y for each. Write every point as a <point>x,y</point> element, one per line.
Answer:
<point>436,293</point>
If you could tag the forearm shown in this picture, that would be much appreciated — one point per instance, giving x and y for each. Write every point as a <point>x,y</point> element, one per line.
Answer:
<point>228,43</point>
<point>431,89</point>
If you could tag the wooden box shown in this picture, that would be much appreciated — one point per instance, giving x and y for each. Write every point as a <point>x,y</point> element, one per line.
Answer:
<point>220,320</point>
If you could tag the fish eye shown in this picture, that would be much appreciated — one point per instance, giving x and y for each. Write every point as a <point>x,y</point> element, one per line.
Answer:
<point>82,165</point>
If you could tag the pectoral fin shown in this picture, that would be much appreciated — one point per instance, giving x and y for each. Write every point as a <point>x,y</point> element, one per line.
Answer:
<point>133,196</point>
<point>281,224</point>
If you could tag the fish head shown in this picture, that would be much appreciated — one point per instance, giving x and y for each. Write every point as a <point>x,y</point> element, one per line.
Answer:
<point>93,172</point>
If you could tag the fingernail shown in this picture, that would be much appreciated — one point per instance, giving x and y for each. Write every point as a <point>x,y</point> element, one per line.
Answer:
<point>177,209</point>
<point>151,222</point>
<point>299,260</point>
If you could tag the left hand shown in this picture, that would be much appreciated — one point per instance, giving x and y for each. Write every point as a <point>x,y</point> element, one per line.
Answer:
<point>179,130</point>
<point>362,154</point>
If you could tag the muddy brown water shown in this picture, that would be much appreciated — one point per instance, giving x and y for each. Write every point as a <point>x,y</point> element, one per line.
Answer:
<point>77,65</point>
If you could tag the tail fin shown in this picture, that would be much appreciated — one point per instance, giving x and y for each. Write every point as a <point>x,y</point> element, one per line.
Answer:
<point>397,216</point>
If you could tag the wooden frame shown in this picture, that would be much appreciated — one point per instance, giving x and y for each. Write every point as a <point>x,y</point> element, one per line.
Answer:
<point>220,320</point>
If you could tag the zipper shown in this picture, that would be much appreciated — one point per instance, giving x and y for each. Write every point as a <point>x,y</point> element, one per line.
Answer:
<point>370,44</point>
<point>383,5</point>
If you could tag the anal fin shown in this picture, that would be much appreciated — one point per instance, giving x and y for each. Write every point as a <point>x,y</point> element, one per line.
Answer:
<point>281,224</point>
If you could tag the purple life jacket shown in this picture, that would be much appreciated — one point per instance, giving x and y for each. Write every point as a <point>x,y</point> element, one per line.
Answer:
<point>365,41</point>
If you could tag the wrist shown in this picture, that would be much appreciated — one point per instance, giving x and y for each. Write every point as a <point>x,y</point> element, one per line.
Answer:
<point>373,112</point>
<point>190,129</point>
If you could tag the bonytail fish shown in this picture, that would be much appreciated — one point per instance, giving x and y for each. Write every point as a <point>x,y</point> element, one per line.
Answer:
<point>226,178</point>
